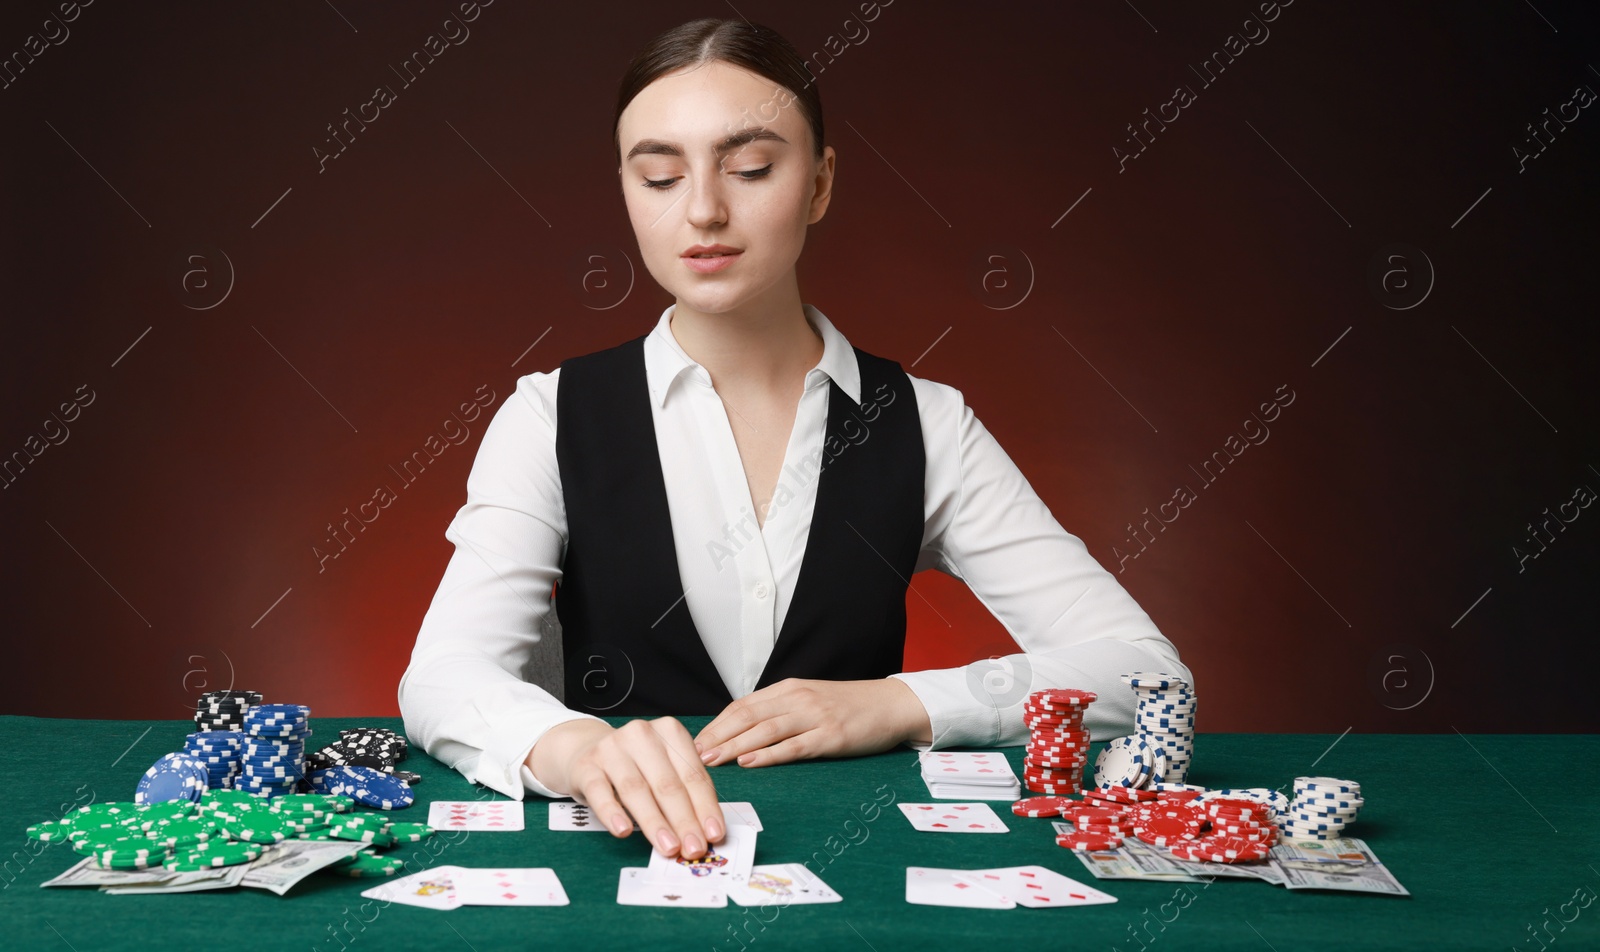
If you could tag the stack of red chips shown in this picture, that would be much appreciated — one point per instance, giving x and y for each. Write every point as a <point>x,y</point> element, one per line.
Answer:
<point>1059,746</point>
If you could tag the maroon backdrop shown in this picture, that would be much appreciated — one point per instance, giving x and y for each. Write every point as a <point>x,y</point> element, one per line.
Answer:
<point>1354,210</point>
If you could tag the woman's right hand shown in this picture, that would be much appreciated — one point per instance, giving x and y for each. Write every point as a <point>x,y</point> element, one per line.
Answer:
<point>649,769</point>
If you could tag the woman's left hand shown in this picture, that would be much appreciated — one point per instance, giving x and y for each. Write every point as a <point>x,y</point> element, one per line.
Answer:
<point>798,719</point>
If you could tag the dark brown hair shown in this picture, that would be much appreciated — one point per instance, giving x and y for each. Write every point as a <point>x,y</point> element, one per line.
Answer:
<point>759,49</point>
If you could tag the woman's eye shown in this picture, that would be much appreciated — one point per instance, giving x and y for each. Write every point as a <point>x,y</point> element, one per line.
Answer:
<point>749,176</point>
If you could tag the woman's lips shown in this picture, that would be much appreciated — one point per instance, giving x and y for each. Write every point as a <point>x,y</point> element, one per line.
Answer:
<point>713,264</point>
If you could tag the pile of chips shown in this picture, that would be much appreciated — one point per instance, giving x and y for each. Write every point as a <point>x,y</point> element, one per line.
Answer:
<point>1194,823</point>
<point>373,747</point>
<point>225,828</point>
<point>273,763</point>
<point>1162,748</point>
<point>1058,746</point>
<point>224,710</point>
<point>220,751</point>
<point>1322,808</point>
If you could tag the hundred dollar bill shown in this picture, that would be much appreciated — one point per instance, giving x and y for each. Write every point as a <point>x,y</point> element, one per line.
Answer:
<point>281,866</point>
<point>86,873</point>
<point>1344,863</point>
<point>1259,869</point>
<point>1135,859</point>
<point>223,877</point>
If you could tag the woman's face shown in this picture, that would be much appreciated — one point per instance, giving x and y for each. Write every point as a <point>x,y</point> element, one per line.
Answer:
<point>716,155</point>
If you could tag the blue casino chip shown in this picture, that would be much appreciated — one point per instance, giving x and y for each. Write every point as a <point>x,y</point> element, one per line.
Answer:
<point>173,777</point>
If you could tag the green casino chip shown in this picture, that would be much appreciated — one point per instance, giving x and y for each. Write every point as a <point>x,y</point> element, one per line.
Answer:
<point>212,855</point>
<point>365,864</point>
<point>49,831</point>
<point>410,832</point>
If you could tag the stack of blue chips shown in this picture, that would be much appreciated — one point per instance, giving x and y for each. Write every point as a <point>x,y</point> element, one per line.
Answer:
<point>273,763</point>
<point>220,752</point>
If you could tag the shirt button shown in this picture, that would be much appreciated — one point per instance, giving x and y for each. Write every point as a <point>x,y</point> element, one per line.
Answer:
<point>761,590</point>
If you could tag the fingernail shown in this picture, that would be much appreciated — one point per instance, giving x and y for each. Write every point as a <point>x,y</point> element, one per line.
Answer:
<point>620,824</point>
<point>744,759</point>
<point>697,748</point>
<point>666,841</point>
<point>692,844</point>
<point>708,756</point>
<point>714,828</point>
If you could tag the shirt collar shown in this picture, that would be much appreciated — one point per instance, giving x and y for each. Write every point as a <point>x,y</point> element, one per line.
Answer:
<point>668,367</point>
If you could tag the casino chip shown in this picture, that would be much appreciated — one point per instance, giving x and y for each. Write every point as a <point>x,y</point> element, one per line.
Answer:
<point>367,786</point>
<point>1088,841</point>
<point>365,864</point>
<point>1038,806</point>
<point>213,855</point>
<point>173,777</point>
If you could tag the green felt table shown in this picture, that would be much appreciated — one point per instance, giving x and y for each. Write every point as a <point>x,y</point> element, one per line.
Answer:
<point>1491,834</point>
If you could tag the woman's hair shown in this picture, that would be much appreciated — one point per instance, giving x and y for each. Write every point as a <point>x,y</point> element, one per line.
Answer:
<point>759,49</point>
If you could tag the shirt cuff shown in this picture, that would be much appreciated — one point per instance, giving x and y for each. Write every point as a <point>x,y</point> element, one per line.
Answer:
<point>502,765</point>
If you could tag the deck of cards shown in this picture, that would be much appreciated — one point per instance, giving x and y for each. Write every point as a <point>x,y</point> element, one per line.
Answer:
<point>1034,887</point>
<point>969,775</point>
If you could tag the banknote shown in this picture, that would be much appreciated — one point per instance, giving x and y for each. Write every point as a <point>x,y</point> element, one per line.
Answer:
<point>281,866</point>
<point>1133,860</point>
<point>1345,864</point>
<point>224,877</point>
<point>86,873</point>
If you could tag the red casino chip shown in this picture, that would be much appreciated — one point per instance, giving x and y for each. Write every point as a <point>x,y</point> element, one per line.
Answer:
<point>1088,841</point>
<point>1093,814</point>
<point>1176,796</point>
<point>1069,739</point>
<point>1051,763</point>
<point>1120,793</point>
<point>1039,806</point>
<point>1062,698</point>
<point>1221,849</point>
<point>1234,807</point>
<point>1105,829</point>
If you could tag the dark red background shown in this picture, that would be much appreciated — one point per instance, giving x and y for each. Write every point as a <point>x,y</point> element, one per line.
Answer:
<point>144,550</point>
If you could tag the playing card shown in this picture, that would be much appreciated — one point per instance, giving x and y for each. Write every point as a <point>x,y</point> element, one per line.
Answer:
<point>1035,886</point>
<point>726,863</point>
<point>973,767</point>
<point>537,886</point>
<point>576,816</point>
<point>565,815</point>
<point>739,811</point>
<point>505,815</point>
<point>943,887</point>
<point>633,889</point>
<point>953,818</point>
<point>784,884</point>
<point>431,889</point>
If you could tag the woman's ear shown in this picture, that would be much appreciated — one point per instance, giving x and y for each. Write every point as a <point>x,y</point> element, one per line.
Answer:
<point>823,186</point>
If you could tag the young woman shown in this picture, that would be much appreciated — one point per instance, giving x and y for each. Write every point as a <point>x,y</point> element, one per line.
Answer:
<point>731,507</point>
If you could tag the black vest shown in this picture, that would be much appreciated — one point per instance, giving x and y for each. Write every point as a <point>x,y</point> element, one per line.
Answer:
<point>630,645</point>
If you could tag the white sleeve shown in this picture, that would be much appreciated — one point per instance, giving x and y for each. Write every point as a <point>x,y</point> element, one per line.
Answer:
<point>1078,627</point>
<point>463,697</point>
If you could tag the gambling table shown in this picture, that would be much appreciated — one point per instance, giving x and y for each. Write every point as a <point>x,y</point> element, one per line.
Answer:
<point>1493,835</point>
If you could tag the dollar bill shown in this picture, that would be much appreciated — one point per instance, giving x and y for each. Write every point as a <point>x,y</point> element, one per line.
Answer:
<point>86,873</point>
<point>1258,869</point>
<point>1135,859</point>
<point>281,866</point>
<point>225,877</point>
<point>1346,864</point>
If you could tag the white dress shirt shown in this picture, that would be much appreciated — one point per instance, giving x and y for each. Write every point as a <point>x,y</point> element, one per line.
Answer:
<point>464,697</point>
